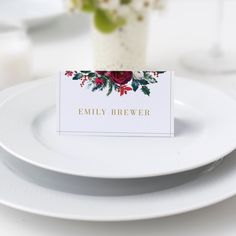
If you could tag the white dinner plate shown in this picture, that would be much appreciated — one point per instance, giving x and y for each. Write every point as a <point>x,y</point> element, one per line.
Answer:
<point>204,125</point>
<point>25,194</point>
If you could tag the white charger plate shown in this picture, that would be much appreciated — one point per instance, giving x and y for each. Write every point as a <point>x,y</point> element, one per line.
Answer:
<point>91,199</point>
<point>18,192</point>
<point>205,132</point>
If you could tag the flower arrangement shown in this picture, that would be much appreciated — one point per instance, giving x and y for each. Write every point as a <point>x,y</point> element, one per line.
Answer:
<point>118,81</point>
<point>110,15</point>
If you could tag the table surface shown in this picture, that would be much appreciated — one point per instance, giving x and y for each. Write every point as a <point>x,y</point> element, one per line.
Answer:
<point>184,26</point>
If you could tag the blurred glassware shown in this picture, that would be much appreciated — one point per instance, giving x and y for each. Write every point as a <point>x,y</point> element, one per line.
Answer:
<point>216,60</point>
<point>15,54</point>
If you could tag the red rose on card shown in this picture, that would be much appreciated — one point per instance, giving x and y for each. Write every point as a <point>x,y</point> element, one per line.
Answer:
<point>120,77</point>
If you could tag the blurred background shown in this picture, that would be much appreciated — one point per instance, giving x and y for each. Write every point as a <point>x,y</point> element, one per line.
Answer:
<point>194,38</point>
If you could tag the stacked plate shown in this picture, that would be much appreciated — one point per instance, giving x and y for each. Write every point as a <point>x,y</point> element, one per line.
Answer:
<point>116,178</point>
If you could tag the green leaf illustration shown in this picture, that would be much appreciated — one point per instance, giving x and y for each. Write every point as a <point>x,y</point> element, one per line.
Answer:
<point>145,90</point>
<point>135,85</point>
<point>97,87</point>
<point>149,78</point>
<point>85,71</point>
<point>110,87</point>
<point>117,87</point>
<point>77,76</point>
<point>91,74</point>
<point>143,82</point>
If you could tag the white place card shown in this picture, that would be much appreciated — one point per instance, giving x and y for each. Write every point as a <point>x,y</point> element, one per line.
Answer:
<point>120,103</point>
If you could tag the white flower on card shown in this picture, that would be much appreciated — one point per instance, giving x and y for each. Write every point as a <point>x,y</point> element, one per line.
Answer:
<point>138,75</point>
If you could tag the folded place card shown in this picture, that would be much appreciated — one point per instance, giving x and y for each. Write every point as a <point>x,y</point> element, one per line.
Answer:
<point>123,103</point>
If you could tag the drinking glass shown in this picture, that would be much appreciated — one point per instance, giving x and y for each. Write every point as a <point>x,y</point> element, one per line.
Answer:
<point>215,60</point>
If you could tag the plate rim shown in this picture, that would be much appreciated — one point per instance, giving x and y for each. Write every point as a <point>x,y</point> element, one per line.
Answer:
<point>195,204</point>
<point>115,219</point>
<point>47,81</point>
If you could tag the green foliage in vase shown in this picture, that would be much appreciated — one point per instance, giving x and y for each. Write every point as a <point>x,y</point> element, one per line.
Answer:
<point>106,23</point>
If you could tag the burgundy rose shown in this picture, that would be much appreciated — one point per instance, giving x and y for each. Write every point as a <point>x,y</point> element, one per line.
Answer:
<point>120,77</point>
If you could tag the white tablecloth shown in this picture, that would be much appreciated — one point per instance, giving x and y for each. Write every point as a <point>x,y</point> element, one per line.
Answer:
<point>184,26</point>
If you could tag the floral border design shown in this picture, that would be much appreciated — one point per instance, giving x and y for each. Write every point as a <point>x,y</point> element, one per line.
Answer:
<point>118,81</point>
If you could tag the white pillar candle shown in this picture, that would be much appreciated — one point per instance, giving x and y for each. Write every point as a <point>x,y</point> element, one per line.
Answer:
<point>15,56</point>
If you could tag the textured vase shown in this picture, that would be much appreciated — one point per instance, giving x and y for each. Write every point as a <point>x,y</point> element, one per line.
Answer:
<point>124,49</point>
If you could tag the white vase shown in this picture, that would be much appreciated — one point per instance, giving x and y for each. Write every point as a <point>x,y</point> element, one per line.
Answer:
<point>124,49</point>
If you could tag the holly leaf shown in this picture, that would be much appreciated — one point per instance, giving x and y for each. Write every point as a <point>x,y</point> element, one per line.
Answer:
<point>149,78</point>
<point>91,74</point>
<point>145,90</point>
<point>143,82</point>
<point>77,76</point>
<point>135,85</point>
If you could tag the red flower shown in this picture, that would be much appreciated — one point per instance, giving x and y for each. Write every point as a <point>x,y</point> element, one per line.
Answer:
<point>120,77</point>
<point>69,73</point>
<point>99,81</point>
<point>124,89</point>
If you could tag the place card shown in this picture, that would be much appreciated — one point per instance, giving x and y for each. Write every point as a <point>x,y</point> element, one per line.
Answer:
<point>116,103</point>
